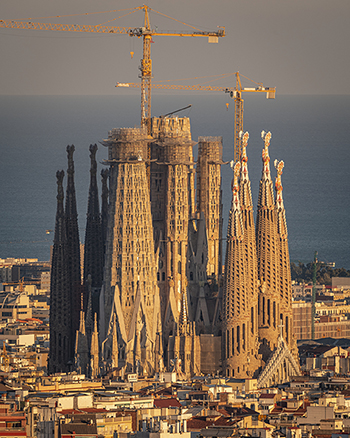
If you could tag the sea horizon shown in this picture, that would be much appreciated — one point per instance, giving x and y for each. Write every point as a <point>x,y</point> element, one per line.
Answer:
<point>310,133</point>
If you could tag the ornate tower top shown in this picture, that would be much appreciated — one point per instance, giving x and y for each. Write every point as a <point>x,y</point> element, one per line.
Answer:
<point>281,215</point>
<point>235,227</point>
<point>265,153</point>
<point>71,206</point>
<point>235,186</point>
<point>245,139</point>
<point>279,165</point>
<point>246,194</point>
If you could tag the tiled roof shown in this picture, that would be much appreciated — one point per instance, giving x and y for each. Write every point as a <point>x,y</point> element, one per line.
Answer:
<point>166,403</point>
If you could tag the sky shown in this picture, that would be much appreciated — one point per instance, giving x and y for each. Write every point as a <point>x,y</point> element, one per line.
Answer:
<point>297,46</point>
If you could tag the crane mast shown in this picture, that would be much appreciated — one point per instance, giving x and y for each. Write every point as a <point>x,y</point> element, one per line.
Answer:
<point>146,75</point>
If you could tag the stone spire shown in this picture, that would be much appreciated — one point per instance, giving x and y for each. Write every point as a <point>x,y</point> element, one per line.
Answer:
<point>137,351</point>
<point>237,300</point>
<point>94,351</point>
<point>246,204</point>
<point>183,318</point>
<point>93,252</point>
<point>81,354</point>
<point>60,305</point>
<point>115,351</point>
<point>285,282</point>
<point>268,258</point>
<point>73,246</point>
<point>89,313</point>
<point>104,207</point>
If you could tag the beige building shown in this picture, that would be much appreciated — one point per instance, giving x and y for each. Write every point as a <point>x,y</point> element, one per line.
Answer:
<point>331,320</point>
<point>14,306</point>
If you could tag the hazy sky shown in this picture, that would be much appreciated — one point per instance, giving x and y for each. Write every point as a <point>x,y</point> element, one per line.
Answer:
<point>298,46</point>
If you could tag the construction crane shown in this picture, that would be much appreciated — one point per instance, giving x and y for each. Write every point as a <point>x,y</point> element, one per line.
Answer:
<point>234,92</point>
<point>146,32</point>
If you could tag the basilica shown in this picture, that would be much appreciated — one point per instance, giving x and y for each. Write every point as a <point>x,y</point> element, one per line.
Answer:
<point>156,291</point>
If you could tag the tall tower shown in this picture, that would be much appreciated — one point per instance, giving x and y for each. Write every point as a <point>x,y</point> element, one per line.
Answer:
<point>172,201</point>
<point>285,283</point>
<point>130,292</point>
<point>268,256</point>
<point>252,291</point>
<point>93,250</point>
<point>73,248</point>
<point>239,332</point>
<point>209,199</point>
<point>60,354</point>
<point>104,207</point>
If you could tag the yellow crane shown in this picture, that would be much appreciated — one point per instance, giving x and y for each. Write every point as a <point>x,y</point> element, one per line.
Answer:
<point>146,32</point>
<point>235,93</point>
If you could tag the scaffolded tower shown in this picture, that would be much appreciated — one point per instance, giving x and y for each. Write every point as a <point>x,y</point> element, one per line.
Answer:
<point>172,201</point>
<point>209,199</point>
<point>130,291</point>
<point>60,355</point>
<point>268,256</point>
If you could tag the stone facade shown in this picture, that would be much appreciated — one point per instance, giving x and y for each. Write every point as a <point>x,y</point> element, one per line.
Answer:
<point>130,294</point>
<point>164,301</point>
<point>257,331</point>
<point>172,203</point>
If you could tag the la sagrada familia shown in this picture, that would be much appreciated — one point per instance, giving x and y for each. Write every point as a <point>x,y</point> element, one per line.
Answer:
<point>156,292</point>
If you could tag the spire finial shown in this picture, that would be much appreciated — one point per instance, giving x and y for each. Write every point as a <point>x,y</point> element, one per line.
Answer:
<point>236,167</point>
<point>59,177</point>
<point>93,149</point>
<point>245,139</point>
<point>70,152</point>
<point>279,165</point>
<point>265,153</point>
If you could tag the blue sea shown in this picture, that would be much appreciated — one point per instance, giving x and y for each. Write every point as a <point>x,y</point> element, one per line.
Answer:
<point>311,134</point>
